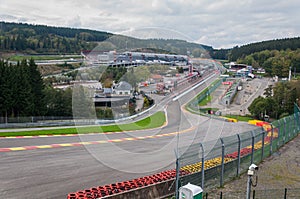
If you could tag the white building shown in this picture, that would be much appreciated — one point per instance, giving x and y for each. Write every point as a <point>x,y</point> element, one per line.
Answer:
<point>122,88</point>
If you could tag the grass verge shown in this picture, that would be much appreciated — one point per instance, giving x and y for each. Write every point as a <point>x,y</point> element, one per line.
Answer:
<point>154,121</point>
<point>205,101</point>
<point>240,118</point>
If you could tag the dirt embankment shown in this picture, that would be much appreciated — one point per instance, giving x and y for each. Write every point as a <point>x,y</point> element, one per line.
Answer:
<point>279,171</point>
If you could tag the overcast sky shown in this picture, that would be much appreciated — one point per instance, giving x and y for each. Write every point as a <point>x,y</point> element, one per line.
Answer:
<point>218,23</point>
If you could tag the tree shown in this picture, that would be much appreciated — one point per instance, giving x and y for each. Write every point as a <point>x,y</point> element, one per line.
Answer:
<point>257,107</point>
<point>6,92</point>
<point>278,104</point>
<point>23,103</point>
<point>59,102</point>
<point>146,102</point>
<point>82,102</point>
<point>268,91</point>
<point>179,69</point>
<point>37,87</point>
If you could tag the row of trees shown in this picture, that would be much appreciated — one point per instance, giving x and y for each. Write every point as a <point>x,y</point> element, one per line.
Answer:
<point>278,44</point>
<point>28,30</point>
<point>42,44</point>
<point>21,89</point>
<point>278,101</point>
<point>274,62</point>
<point>23,92</point>
<point>47,39</point>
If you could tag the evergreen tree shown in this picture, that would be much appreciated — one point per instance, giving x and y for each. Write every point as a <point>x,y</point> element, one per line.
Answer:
<point>37,87</point>
<point>23,105</point>
<point>6,93</point>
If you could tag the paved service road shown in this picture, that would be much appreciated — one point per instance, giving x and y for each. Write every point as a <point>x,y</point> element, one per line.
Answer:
<point>55,172</point>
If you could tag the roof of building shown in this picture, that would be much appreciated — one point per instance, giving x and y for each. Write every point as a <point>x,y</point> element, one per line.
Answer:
<point>107,90</point>
<point>123,86</point>
<point>156,76</point>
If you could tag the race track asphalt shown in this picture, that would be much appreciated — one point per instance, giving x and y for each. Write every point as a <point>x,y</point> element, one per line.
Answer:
<point>55,172</point>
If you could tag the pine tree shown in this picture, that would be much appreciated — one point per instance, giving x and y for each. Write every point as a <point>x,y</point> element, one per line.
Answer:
<point>37,87</point>
<point>22,105</point>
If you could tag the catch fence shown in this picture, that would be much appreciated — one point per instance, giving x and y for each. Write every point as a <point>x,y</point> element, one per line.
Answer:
<point>213,163</point>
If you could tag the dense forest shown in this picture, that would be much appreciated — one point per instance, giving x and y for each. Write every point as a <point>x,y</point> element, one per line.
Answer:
<point>23,92</point>
<point>43,39</point>
<point>21,89</point>
<point>274,62</point>
<point>278,44</point>
<point>47,39</point>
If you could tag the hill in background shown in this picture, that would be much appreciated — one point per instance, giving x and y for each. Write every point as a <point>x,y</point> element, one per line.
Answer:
<point>276,44</point>
<point>41,39</point>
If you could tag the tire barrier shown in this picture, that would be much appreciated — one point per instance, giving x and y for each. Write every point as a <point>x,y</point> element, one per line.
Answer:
<point>230,119</point>
<point>119,187</point>
<point>232,156</point>
<point>258,145</point>
<point>207,164</point>
<point>258,123</point>
<point>126,186</point>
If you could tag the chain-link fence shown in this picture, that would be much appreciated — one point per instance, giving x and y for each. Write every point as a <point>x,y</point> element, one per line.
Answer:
<point>213,163</point>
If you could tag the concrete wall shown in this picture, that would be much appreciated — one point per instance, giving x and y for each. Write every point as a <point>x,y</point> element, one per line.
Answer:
<point>159,190</point>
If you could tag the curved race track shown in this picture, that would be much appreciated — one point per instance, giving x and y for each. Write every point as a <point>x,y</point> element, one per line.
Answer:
<point>55,172</point>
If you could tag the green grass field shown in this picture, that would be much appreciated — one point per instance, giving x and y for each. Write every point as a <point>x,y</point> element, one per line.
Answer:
<point>154,121</point>
<point>205,101</point>
<point>240,118</point>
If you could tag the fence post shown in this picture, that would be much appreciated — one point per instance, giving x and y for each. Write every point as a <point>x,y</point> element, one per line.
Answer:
<point>295,125</point>
<point>252,148</point>
<point>177,177</point>
<point>279,134</point>
<point>292,123</point>
<point>271,140</point>
<point>263,144</point>
<point>222,163</point>
<point>285,193</point>
<point>202,166</point>
<point>298,121</point>
<point>289,126</point>
<point>284,130</point>
<point>239,156</point>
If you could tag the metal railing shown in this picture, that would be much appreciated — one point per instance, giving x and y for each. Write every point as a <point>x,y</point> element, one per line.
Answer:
<point>211,166</point>
<point>39,121</point>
